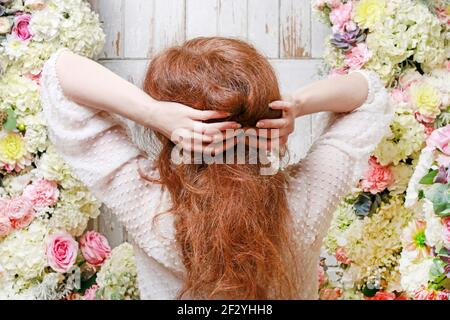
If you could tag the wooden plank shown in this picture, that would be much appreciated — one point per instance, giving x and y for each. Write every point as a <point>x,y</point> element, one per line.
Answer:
<point>295,32</point>
<point>131,70</point>
<point>111,15</point>
<point>138,21</point>
<point>319,32</point>
<point>201,18</point>
<point>232,18</point>
<point>169,24</point>
<point>263,26</point>
<point>110,227</point>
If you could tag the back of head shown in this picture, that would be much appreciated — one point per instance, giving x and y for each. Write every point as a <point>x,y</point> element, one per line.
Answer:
<point>231,221</point>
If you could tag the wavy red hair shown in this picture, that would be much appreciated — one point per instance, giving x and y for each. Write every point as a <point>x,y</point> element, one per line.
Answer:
<point>232,223</point>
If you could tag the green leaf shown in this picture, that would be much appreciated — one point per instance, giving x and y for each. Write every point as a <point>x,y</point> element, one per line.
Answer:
<point>429,178</point>
<point>439,195</point>
<point>87,284</point>
<point>11,122</point>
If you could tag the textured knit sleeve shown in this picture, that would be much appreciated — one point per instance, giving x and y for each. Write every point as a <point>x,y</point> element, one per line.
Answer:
<point>337,161</point>
<point>102,155</point>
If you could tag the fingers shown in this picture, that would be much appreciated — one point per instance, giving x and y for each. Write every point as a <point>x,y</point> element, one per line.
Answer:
<point>212,129</point>
<point>282,105</point>
<point>205,115</point>
<point>273,123</point>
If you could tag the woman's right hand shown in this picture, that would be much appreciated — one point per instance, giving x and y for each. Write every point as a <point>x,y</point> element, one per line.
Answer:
<point>188,128</point>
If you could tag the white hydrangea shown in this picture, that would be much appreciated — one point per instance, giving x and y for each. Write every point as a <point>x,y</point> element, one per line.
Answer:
<point>117,278</point>
<point>414,274</point>
<point>22,254</point>
<point>434,232</point>
<point>402,174</point>
<point>14,185</point>
<point>36,133</point>
<point>14,48</point>
<point>45,24</point>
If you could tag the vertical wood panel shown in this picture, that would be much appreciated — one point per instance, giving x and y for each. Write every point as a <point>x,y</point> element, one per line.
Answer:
<point>263,26</point>
<point>319,32</point>
<point>232,18</point>
<point>138,29</point>
<point>111,15</point>
<point>295,32</point>
<point>169,24</point>
<point>201,18</point>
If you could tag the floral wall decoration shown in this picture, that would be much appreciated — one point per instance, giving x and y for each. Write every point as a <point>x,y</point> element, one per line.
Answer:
<point>45,250</point>
<point>390,236</point>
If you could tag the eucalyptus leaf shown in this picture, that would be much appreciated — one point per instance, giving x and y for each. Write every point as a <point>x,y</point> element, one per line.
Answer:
<point>429,178</point>
<point>439,195</point>
<point>363,204</point>
<point>11,122</point>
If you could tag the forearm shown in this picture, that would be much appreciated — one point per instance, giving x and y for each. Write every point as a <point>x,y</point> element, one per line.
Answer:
<point>90,84</point>
<point>339,94</point>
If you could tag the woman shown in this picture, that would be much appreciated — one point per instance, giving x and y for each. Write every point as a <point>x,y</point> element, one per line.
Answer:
<point>212,230</point>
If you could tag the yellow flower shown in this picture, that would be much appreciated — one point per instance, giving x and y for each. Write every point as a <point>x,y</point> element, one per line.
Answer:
<point>426,99</point>
<point>369,12</point>
<point>12,148</point>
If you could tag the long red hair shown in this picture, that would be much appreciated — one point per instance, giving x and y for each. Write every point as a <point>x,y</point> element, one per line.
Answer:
<point>232,223</point>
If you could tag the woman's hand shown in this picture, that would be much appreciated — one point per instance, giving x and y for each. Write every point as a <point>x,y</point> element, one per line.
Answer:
<point>187,126</point>
<point>280,128</point>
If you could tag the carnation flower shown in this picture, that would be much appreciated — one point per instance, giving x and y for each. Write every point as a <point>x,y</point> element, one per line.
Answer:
<point>19,211</point>
<point>42,193</point>
<point>341,15</point>
<point>377,177</point>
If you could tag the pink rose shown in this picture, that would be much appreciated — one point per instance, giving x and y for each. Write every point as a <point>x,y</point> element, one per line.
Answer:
<point>442,295</point>
<point>356,58</point>
<point>19,211</point>
<point>21,27</point>
<point>341,256</point>
<point>377,177</point>
<point>95,248</point>
<point>440,139</point>
<point>399,96</point>
<point>340,16</point>
<point>90,293</point>
<point>5,226</point>
<point>383,295</point>
<point>42,193</point>
<point>61,251</point>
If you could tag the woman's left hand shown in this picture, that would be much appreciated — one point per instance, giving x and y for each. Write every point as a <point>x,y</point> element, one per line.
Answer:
<point>281,128</point>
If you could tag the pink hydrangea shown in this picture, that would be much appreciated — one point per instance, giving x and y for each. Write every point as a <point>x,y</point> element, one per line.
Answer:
<point>42,193</point>
<point>356,58</point>
<point>19,211</point>
<point>21,27</point>
<point>61,251</point>
<point>95,248</point>
<point>341,16</point>
<point>377,177</point>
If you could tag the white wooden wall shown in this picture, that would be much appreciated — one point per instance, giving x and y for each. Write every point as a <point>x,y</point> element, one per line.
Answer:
<point>286,31</point>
